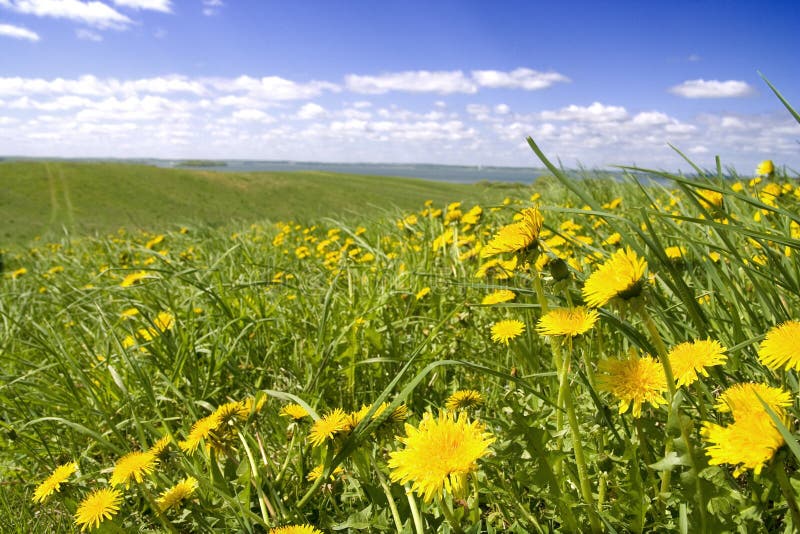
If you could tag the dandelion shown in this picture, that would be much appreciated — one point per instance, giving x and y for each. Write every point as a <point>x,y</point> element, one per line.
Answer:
<point>781,347</point>
<point>295,529</point>
<point>295,411</point>
<point>201,430</point>
<point>164,321</point>
<point>174,495</point>
<point>160,446</point>
<point>741,400</point>
<point>129,313</point>
<point>567,322</point>
<point>504,331</point>
<point>675,253</point>
<point>497,269</point>
<point>231,412</point>
<point>422,293</point>
<point>463,399</point>
<point>53,483</point>
<point>327,427</point>
<point>710,199</point>
<point>765,168</point>
<point>439,454</point>
<point>634,382</point>
<point>133,278</point>
<point>16,274</point>
<point>622,276</point>
<point>133,466</point>
<point>499,296</point>
<point>689,359</point>
<point>315,473</point>
<point>518,236</point>
<point>100,505</point>
<point>747,443</point>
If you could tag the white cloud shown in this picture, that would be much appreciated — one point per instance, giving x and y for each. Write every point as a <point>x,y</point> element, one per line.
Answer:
<point>252,115</point>
<point>211,7</point>
<point>311,111</point>
<point>522,78</point>
<point>92,13</point>
<point>272,87</point>
<point>502,109</point>
<point>155,5</point>
<point>596,112</point>
<point>698,149</point>
<point>712,89</point>
<point>420,81</point>
<point>650,118</point>
<point>88,35</point>
<point>18,32</point>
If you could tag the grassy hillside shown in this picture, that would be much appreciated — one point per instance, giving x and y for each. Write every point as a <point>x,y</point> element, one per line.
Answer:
<point>41,197</point>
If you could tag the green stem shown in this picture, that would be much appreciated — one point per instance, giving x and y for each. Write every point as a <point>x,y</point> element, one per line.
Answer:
<point>788,492</point>
<point>419,526</point>
<point>448,514</point>
<point>398,523</point>
<point>263,501</point>
<point>318,482</point>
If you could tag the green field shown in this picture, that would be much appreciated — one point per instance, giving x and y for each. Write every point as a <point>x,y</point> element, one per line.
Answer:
<point>45,197</point>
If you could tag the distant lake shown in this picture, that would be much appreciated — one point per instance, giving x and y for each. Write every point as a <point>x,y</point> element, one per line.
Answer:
<point>442,173</point>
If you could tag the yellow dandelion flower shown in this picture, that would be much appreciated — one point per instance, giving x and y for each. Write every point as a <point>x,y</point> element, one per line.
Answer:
<point>202,429</point>
<point>315,473</point>
<point>497,269</point>
<point>781,347</point>
<point>765,168</point>
<point>295,529</point>
<point>501,295</point>
<point>53,483</point>
<point>134,278</point>
<point>164,321</point>
<point>295,411</point>
<point>174,495</point>
<point>16,274</point>
<point>133,466</point>
<point>327,427</point>
<point>567,322</point>
<point>422,293</point>
<point>100,505</point>
<point>518,236</point>
<point>675,253</point>
<point>613,239</point>
<point>622,275</point>
<point>440,454</point>
<point>160,447</point>
<point>231,412</point>
<point>689,359</point>
<point>504,331</point>
<point>747,443</point>
<point>463,399</point>
<point>741,400</point>
<point>710,199</point>
<point>130,312</point>
<point>634,382</point>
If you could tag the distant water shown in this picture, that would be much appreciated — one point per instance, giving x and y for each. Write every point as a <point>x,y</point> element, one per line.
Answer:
<point>442,173</point>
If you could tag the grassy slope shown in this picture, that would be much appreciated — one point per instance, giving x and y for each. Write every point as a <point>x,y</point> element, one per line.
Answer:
<point>38,197</point>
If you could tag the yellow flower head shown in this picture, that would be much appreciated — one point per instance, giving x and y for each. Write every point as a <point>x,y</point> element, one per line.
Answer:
<point>202,429</point>
<point>710,199</point>
<point>464,399</point>
<point>501,295</point>
<point>741,400</point>
<point>518,236</point>
<point>747,443</point>
<point>439,454</point>
<point>130,312</point>
<point>422,293</point>
<point>781,347</point>
<point>53,483</point>
<point>497,269</point>
<point>315,473</point>
<point>622,275</point>
<point>295,411</point>
<point>503,331</point>
<point>689,359</point>
<point>634,382</point>
<point>327,427</point>
<point>567,322</point>
<point>295,529</point>
<point>765,168</point>
<point>100,505</point>
<point>675,253</point>
<point>174,495</point>
<point>160,446</point>
<point>134,278</point>
<point>16,274</point>
<point>133,466</point>
<point>164,321</point>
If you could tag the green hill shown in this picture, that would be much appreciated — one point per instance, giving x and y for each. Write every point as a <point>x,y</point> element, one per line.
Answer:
<point>37,197</point>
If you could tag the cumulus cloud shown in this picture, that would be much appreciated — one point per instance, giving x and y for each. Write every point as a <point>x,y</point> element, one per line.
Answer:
<point>596,112</point>
<point>91,13</point>
<point>18,32</point>
<point>155,5</point>
<point>310,111</point>
<point>272,87</point>
<point>521,78</point>
<point>252,115</point>
<point>420,81</point>
<point>712,89</point>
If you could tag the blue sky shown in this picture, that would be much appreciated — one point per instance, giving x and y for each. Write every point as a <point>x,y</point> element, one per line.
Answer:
<point>595,83</point>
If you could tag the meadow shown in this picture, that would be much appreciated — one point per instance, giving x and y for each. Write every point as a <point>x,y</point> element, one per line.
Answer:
<point>588,355</point>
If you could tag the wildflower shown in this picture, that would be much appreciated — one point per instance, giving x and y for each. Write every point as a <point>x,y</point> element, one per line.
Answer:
<point>741,400</point>
<point>633,382</point>
<point>174,495</point>
<point>315,473</point>
<point>164,321</point>
<point>133,466</point>
<point>295,529</point>
<point>439,454</point>
<point>613,239</point>
<point>160,446</point>
<point>19,272</point>
<point>295,411</point>
<point>567,322</point>
<point>133,278</point>
<point>53,483</point>
<point>327,427</point>
<point>622,275</point>
<point>130,312</point>
<point>675,253</point>
<point>504,331</point>
<point>689,359</point>
<point>422,293</point>
<point>463,399</point>
<point>497,269</point>
<point>781,347</point>
<point>747,443</point>
<point>710,199</point>
<point>765,168</point>
<point>518,236</point>
<point>201,430</point>
<point>501,295</point>
<point>100,505</point>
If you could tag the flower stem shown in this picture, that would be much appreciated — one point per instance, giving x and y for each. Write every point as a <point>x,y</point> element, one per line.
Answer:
<point>448,514</point>
<point>398,523</point>
<point>788,492</point>
<point>419,526</point>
